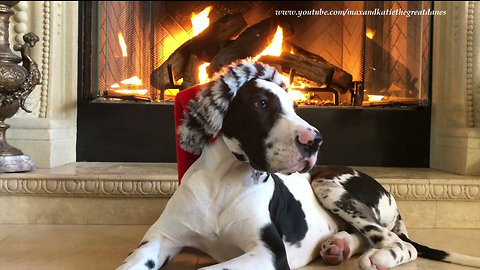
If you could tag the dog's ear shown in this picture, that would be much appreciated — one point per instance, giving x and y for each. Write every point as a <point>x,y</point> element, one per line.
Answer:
<point>204,119</point>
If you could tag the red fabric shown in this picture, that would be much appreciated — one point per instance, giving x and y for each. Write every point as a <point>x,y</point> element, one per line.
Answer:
<point>184,159</point>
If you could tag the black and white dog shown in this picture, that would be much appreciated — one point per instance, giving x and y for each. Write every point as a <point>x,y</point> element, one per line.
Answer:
<point>248,201</point>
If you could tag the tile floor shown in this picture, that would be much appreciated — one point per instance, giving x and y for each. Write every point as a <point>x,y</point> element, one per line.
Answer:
<point>72,247</point>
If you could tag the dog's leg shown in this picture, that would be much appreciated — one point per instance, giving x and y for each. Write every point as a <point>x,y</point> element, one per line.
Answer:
<point>264,253</point>
<point>152,253</point>
<point>341,246</point>
<point>344,194</point>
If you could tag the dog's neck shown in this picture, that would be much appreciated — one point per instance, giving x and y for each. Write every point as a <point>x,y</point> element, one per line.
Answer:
<point>218,158</point>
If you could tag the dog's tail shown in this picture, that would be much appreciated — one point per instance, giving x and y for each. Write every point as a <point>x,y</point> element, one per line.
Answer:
<point>440,255</point>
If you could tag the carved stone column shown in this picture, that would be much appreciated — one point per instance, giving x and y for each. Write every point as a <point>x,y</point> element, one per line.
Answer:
<point>455,133</point>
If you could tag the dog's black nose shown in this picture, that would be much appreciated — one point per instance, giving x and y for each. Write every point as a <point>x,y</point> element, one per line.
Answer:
<point>310,146</point>
<point>318,139</point>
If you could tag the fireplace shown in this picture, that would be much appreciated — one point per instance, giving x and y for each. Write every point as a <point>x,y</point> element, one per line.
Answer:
<point>362,80</point>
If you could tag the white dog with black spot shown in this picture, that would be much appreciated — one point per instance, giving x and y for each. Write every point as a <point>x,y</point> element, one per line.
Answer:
<point>248,200</point>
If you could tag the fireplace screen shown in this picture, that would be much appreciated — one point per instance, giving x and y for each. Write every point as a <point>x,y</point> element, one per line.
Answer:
<point>338,53</point>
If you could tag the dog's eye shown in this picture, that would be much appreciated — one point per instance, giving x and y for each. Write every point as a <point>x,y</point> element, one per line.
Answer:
<point>262,103</point>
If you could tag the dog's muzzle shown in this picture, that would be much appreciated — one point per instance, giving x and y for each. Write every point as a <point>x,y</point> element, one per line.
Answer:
<point>309,142</point>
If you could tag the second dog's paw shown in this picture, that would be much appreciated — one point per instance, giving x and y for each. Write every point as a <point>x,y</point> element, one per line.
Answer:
<point>335,250</point>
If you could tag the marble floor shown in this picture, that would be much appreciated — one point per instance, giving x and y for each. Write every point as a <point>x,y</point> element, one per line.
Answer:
<point>72,247</point>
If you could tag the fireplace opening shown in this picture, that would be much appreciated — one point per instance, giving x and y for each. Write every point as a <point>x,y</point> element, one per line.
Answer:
<point>362,78</point>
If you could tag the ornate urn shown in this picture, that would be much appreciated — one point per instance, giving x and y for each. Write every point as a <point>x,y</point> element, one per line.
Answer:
<point>16,83</point>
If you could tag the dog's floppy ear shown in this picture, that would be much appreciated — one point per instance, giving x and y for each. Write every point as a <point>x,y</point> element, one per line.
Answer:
<point>205,116</point>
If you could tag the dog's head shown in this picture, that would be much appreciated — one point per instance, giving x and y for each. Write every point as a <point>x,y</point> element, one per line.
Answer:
<point>248,105</point>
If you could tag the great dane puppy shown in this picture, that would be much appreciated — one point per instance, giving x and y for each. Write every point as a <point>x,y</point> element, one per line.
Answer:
<point>248,200</point>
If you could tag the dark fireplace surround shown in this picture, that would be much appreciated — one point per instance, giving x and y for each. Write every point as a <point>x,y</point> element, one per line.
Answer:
<point>388,136</point>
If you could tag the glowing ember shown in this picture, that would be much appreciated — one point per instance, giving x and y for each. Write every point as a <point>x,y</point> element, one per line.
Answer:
<point>370,33</point>
<point>200,21</point>
<point>275,48</point>
<point>122,43</point>
<point>132,92</point>
<point>132,81</point>
<point>202,73</point>
<point>375,97</point>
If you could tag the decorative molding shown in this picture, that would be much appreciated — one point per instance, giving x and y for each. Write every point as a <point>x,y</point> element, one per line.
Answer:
<point>435,192</point>
<point>88,187</point>
<point>467,190</point>
<point>45,59</point>
<point>470,67</point>
<point>21,18</point>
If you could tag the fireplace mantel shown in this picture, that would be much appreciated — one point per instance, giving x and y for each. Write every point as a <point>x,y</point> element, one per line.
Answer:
<point>49,133</point>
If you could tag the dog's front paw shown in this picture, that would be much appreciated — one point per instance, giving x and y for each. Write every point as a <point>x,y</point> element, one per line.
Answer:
<point>336,249</point>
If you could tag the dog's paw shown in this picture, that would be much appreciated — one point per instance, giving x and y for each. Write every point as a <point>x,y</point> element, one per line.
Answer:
<point>336,249</point>
<point>385,258</point>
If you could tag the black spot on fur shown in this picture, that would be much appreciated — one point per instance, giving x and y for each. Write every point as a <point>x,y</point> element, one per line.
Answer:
<point>399,245</point>
<point>165,262</point>
<point>347,204</point>
<point>363,188</point>
<point>369,228</point>
<point>424,251</point>
<point>376,239</point>
<point>150,264</point>
<point>273,241</point>
<point>393,254</point>
<point>286,213</point>
<point>240,157</point>
<point>269,145</point>
<point>409,254</point>
<point>260,69</point>
<point>251,125</point>
<point>143,243</point>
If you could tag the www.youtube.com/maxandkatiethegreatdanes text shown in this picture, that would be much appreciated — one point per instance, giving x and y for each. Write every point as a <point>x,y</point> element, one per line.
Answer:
<point>348,12</point>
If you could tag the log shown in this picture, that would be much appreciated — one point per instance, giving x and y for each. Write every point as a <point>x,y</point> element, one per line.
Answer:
<point>249,44</point>
<point>307,68</point>
<point>204,47</point>
<point>341,79</point>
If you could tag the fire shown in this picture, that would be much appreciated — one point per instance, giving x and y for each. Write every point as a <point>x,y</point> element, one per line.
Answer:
<point>202,73</point>
<point>132,81</point>
<point>297,95</point>
<point>200,21</point>
<point>375,97</point>
<point>275,48</point>
<point>370,33</point>
<point>132,92</point>
<point>122,43</point>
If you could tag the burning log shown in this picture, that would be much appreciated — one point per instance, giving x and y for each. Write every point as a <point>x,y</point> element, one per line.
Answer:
<point>341,79</point>
<point>204,47</point>
<point>250,43</point>
<point>318,72</point>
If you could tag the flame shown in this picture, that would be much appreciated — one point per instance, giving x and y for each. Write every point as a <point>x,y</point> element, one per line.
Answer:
<point>132,81</point>
<point>297,95</point>
<point>115,85</point>
<point>275,48</point>
<point>200,21</point>
<point>122,43</point>
<point>375,97</point>
<point>202,73</point>
<point>134,92</point>
<point>370,33</point>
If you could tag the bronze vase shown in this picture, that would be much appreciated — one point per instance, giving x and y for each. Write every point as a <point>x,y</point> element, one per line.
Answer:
<point>16,83</point>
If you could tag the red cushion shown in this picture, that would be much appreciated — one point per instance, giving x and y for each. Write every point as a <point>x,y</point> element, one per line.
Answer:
<point>184,159</point>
